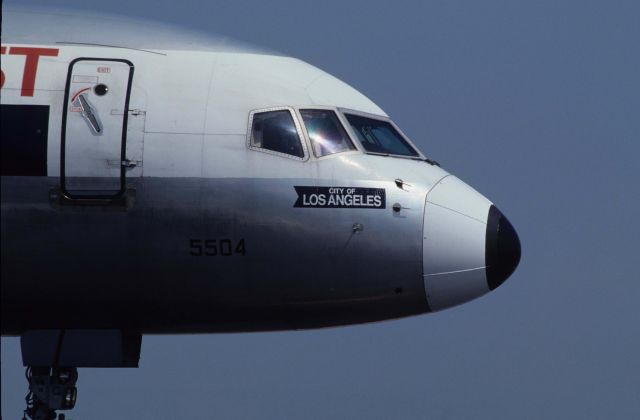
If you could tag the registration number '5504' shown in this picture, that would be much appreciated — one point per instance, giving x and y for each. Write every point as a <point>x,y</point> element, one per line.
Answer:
<point>216,247</point>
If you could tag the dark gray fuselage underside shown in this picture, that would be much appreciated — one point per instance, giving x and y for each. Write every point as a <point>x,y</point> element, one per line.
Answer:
<point>96,267</point>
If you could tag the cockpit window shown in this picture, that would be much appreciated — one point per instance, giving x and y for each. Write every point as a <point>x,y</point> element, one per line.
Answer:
<point>379,136</point>
<point>276,131</point>
<point>326,133</point>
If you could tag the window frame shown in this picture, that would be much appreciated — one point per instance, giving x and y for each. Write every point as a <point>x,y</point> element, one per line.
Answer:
<point>296,121</point>
<point>355,139</point>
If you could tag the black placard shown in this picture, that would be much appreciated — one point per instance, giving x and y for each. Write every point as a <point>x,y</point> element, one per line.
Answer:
<point>341,197</point>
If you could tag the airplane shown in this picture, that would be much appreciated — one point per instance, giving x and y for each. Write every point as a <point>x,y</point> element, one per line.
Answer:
<point>157,180</point>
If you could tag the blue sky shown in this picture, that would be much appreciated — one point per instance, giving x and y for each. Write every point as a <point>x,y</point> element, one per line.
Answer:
<point>536,105</point>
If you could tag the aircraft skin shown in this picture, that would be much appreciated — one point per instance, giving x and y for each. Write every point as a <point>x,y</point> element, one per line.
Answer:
<point>149,208</point>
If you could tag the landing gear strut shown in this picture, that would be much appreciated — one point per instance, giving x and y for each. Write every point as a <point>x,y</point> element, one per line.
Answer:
<point>50,389</point>
<point>53,356</point>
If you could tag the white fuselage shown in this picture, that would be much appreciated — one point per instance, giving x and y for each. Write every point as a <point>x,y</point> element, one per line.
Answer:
<point>153,205</point>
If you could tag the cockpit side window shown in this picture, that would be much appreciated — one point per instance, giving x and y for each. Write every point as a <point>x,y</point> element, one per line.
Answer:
<point>326,133</point>
<point>276,131</point>
<point>378,136</point>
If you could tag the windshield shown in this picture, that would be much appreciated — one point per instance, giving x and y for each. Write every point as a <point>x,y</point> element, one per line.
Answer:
<point>379,136</point>
<point>325,132</point>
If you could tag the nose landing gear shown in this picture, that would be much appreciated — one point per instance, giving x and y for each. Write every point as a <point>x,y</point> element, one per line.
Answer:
<point>50,389</point>
<point>53,356</point>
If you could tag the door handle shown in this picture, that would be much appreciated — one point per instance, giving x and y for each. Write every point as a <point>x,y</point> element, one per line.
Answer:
<point>89,114</point>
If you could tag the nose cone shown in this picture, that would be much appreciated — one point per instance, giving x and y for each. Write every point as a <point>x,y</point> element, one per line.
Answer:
<point>469,246</point>
<point>502,251</point>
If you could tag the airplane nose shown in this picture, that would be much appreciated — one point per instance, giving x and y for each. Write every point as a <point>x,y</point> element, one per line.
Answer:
<point>469,246</point>
<point>502,248</point>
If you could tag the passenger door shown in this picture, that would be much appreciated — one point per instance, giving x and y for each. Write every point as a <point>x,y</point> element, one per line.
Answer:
<point>94,128</point>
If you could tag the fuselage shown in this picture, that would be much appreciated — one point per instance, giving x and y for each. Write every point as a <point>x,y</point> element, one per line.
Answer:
<point>140,191</point>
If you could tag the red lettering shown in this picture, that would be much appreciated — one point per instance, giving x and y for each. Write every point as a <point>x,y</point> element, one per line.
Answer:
<point>31,65</point>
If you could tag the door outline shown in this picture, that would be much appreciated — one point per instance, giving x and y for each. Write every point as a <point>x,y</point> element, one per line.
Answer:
<point>123,142</point>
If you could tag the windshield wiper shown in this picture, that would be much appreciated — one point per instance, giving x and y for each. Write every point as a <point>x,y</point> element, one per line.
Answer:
<point>426,159</point>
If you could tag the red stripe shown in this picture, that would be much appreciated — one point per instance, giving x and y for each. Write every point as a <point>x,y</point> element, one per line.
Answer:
<point>78,94</point>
